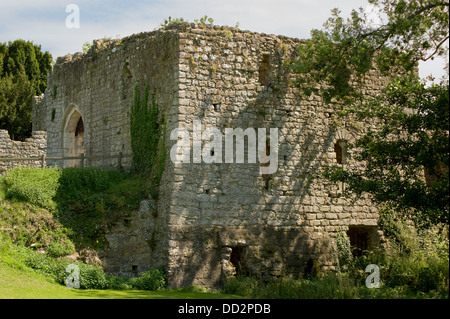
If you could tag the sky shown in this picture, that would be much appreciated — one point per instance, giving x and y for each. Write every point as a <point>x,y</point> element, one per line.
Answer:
<point>44,21</point>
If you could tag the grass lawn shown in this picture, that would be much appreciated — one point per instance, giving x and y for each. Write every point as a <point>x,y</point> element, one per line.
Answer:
<point>23,283</point>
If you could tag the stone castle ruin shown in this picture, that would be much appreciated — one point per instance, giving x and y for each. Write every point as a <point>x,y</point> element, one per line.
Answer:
<point>211,220</point>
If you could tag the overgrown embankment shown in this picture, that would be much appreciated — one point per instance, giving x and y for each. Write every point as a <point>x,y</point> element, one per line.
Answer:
<point>415,264</point>
<point>82,203</point>
<point>48,214</point>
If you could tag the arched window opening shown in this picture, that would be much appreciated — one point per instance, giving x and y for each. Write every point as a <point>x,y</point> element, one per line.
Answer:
<point>340,151</point>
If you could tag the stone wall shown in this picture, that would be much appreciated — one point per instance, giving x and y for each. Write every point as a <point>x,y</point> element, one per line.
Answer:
<point>99,88</point>
<point>212,220</point>
<point>277,224</point>
<point>35,146</point>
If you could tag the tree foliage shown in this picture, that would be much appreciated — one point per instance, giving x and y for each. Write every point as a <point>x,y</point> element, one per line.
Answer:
<point>345,50</point>
<point>23,74</point>
<point>412,134</point>
<point>401,150</point>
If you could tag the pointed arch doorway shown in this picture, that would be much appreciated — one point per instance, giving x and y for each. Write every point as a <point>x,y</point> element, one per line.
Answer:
<point>73,139</point>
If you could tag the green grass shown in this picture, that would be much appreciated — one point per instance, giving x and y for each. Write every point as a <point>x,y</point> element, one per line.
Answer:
<point>37,186</point>
<point>26,274</point>
<point>23,283</point>
<point>330,286</point>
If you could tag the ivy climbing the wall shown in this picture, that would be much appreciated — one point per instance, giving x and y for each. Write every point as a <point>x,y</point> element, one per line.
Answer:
<point>147,130</point>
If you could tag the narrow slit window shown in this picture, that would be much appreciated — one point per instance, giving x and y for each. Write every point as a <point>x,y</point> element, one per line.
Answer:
<point>264,70</point>
<point>340,151</point>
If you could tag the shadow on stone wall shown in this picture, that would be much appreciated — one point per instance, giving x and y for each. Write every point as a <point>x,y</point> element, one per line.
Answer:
<point>270,235</point>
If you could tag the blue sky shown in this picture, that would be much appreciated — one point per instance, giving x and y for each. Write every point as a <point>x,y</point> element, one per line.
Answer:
<point>43,21</point>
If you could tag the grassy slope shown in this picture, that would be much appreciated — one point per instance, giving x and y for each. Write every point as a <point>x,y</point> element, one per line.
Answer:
<point>23,283</point>
<point>30,223</point>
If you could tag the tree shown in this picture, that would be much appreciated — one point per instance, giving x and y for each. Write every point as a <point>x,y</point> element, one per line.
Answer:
<point>340,55</point>
<point>412,136</point>
<point>406,158</point>
<point>23,74</point>
<point>15,105</point>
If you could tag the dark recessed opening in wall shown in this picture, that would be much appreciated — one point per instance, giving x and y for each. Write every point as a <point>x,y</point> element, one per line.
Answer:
<point>238,261</point>
<point>363,238</point>
<point>267,183</point>
<point>80,127</point>
<point>267,177</point>
<point>264,70</point>
<point>134,269</point>
<point>435,174</point>
<point>127,222</point>
<point>73,139</point>
<point>338,151</point>
<point>216,107</point>
<point>430,178</point>
<point>312,268</point>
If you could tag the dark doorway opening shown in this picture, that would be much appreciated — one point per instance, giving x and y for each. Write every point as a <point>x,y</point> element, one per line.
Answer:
<point>237,259</point>
<point>80,127</point>
<point>363,238</point>
<point>74,139</point>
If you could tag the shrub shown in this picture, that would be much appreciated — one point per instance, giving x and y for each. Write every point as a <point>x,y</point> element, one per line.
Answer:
<point>90,200</point>
<point>344,252</point>
<point>38,261</point>
<point>243,286</point>
<point>119,282</point>
<point>77,181</point>
<point>418,258</point>
<point>90,277</point>
<point>34,185</point>
<point>152,279</point>
<point>60,248</point>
